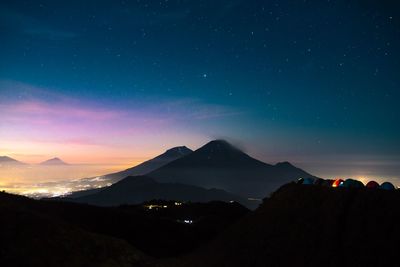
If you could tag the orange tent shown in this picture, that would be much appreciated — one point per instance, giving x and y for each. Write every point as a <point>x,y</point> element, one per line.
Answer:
<point>337,183</point>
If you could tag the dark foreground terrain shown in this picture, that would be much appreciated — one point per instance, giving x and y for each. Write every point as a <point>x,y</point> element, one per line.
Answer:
<point>299,225</point>
<point>305,225</point>
<point>53,233</point>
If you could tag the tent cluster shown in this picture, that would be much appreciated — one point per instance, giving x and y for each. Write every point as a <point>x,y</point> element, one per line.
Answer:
<point>348,183</point>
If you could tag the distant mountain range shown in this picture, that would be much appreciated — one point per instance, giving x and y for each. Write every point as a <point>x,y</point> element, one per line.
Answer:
<point>138,189</point>
<point>181,174</point>
<point>7,161</point>
<point>218,164</point>
<point>53,162</point>
<point>215,171</point>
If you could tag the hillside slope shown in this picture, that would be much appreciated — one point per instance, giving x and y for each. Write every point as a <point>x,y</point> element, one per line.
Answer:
<point>30,237</point>
<point>96,184</point>
<point>311,226</point>
<point>138,189</point>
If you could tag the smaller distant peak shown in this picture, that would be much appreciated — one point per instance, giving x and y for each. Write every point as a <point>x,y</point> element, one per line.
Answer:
<point>178,148</point>
<point>284,164</point>
<point>54,161</point>
<point>9,160</point>
<point>181,150</point>
<point>6,158</point>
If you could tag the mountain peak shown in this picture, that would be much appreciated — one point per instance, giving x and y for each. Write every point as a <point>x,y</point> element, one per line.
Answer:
<point>219,144</point>
<point>6,158</point>
<point>284,164</point>
<point>223,150</point>
<point>217,153</point>
<point>9,161</point>
<point>178,151</point>
<point>53,161</point>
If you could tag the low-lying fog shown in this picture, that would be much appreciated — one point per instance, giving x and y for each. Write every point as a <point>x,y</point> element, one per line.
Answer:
<point>38,181</point>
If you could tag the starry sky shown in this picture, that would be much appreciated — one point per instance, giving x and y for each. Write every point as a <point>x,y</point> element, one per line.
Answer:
<point>315,83</point>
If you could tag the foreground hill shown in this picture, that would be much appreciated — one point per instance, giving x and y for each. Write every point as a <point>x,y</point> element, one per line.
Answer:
<point>218,164</point>
<point>52,233</point>
<point>32,237</point>
<point>311,226</point>
<point>138,189</point>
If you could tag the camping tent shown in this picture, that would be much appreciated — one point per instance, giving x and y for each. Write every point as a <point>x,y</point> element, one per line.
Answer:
<point>387,186</point>
<point>372,184</point>
<point>337,183</point>
<point>351,183</point>
<point>308,181</point>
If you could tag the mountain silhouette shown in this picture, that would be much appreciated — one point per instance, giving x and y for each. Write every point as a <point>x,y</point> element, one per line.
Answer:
<point>53,162</point>
<point>7,161</point>
<point>147,166</point>
<point>218,164</point>
<point>138,189</point>
<point>303,225</point>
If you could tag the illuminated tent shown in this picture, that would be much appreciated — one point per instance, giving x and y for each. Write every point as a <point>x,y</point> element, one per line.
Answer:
<point>308,181</point>
<point>337,183</point>
<point>351,183</point>
<point>372,184</point>
<point>387,186</point>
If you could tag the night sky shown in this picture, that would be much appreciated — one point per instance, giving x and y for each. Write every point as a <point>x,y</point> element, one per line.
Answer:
<point>315,83</point>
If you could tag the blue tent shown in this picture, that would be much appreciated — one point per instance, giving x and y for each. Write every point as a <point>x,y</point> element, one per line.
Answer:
<point>351,183</point>
<point>387,186</point>
<point>308,181</point>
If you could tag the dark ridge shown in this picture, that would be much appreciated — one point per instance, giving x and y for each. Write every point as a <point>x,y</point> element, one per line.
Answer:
<point>150,165</point>
<point>53,233</point>
<point>302,225</point>
<point>34,233</point>
<point>138,189</point>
